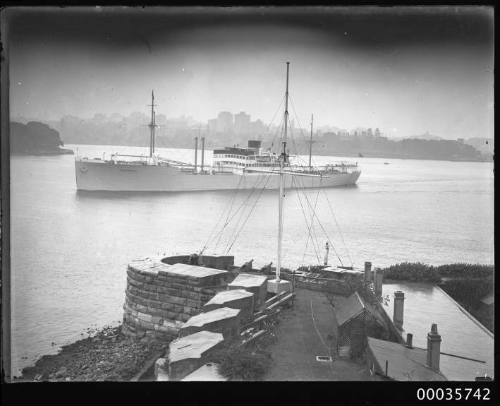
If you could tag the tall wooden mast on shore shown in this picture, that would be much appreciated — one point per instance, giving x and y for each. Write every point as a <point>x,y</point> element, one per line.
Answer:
<point>283,161</point>
<point>311,142</point>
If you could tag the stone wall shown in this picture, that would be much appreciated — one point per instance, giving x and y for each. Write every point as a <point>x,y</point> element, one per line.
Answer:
<point>159,298</point>
<point>338,287</point>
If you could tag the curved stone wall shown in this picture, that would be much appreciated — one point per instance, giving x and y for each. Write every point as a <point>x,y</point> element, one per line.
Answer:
<point>159,298</point>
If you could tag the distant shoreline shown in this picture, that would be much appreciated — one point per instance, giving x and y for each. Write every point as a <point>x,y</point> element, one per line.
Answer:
<point>368,155</point>
<point>337,154</point>
<point>62,151</point>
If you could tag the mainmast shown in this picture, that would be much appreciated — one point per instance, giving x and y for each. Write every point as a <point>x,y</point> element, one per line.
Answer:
<point>152,126</point>
<point>283,161</point>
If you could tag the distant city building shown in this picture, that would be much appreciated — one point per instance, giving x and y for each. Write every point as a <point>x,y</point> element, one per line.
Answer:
<point>377,132</point>
<point>241,122</point>
<point>460,140</point>
<point>225,122</point>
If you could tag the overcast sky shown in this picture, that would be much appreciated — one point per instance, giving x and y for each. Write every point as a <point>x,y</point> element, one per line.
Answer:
<point>406,71</point>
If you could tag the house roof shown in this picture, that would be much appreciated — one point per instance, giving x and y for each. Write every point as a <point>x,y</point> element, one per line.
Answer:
<point>403,364</point>
<point>461,333</point>
<point>348,308</point>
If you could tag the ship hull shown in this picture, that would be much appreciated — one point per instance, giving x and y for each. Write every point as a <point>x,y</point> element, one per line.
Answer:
<point>107,176</point>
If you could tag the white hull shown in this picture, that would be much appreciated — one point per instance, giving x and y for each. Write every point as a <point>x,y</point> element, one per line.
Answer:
<point>105,176</point>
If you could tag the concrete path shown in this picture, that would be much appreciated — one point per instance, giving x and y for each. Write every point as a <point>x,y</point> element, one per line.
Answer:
<point>304,332</point>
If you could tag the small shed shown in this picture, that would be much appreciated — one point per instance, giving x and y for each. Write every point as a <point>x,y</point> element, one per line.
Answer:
<point>350,313</point>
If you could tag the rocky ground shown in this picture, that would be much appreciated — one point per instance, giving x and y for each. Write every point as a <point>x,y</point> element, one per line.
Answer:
<point>106,356</point>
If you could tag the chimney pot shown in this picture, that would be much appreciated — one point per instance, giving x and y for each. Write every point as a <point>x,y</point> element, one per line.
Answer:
<point>368,269</point>
<point>398,315</point>
<point>379,280</point>
<point>433,348</point>
<point>409,340</point>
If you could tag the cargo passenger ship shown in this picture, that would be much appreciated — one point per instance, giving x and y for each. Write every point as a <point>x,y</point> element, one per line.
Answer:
<point>232,168</point>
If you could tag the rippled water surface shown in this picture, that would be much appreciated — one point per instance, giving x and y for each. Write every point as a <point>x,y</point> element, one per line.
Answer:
<point>69,250</point>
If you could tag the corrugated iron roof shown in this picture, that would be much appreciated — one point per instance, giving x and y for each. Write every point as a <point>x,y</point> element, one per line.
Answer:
<point>488,299</point>
<point>403,364</point>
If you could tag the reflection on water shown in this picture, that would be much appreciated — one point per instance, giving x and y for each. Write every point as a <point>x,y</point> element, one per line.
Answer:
<point>426,304</point>
<point>69,250</point>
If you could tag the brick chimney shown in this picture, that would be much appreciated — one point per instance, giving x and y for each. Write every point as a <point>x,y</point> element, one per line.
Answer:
<point>397,318</point>
<point>368,272</point>
<point>379,280</point>
<point>409,340</point>
<point>433,347</point>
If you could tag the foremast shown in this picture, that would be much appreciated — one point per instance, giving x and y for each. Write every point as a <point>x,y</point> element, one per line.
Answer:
<point>152,126</point>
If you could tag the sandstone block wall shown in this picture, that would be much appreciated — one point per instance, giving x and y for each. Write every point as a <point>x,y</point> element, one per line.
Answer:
<point>158,302</point>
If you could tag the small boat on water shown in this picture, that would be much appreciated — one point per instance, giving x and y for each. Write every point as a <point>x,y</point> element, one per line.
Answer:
<point>232,168</point>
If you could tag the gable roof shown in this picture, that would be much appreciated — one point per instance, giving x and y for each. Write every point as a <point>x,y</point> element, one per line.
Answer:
<point>348,308</point>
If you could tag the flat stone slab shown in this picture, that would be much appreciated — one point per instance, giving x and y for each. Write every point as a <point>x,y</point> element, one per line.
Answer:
<point>256,284</point>
<point>212,316</point>
<point>193,345</point>
<point>193,271</point>
<point>228,296</point>
<point>235,299</point>
<point>154,265</point>
<point>246,280</point>
<point>207,372</point>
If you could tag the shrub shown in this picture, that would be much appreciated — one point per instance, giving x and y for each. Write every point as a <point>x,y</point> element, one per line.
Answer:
<point>466,270</point>
<point>419,272</point>
<point>242,364</point>
<point>414,272</point>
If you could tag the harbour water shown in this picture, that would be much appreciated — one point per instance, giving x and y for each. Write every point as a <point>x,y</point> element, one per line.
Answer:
<point>69,250</point>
